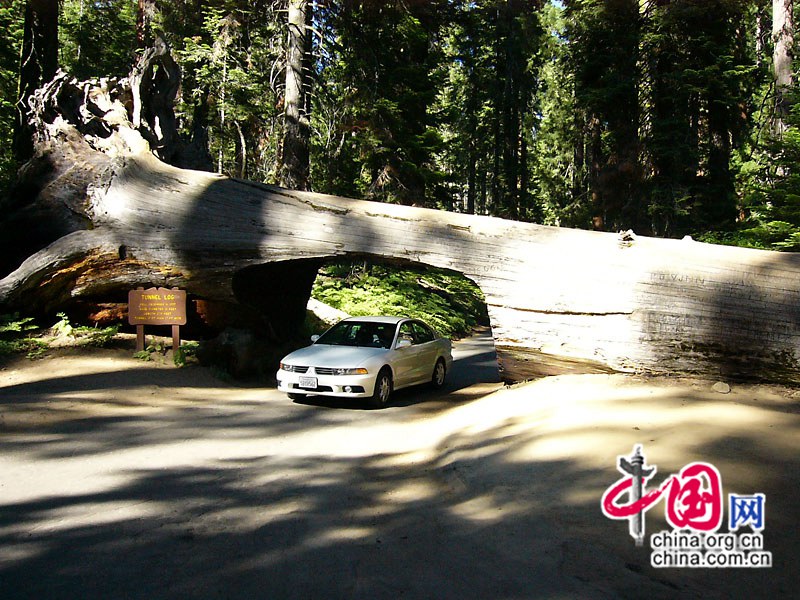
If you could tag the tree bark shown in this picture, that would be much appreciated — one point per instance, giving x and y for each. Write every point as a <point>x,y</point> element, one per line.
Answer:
<point>155,81</point>
<point>38,64</point>
<point>145,9</point>
<point>295,167</point>
<point>559,300</point>
<point>783,40</point>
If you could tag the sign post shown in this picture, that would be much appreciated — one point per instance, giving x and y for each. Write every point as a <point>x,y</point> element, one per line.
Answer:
<point>157,306</point>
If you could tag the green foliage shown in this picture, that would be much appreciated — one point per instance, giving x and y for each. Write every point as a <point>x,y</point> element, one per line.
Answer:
<point>181,354</point>
<point>31,347</point>
<point>704,75</point>
<point>16,335</point>
<point>14,324</point>
<point>773,235</point>
<point>155,347</point>
<point>377,85</point>
<point>63,325</point>
<point>16,338</point>
<point>97,39</point>
<point>662,92</point>
<point>490,109</point>
<point>98,337</point>
<point>228,53</point>
<point>448,301</point>
<point>11,23</point>
<point>768,180</point>
<point>558,180</point>
<point>607,79</point>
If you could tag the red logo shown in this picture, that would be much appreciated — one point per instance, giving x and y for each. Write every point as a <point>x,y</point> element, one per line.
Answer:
<point>693,496</point>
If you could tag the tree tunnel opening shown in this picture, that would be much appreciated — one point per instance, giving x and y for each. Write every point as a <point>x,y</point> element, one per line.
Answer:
<point>452,303</point>
<point>274,303</point>
<point>362,285</point>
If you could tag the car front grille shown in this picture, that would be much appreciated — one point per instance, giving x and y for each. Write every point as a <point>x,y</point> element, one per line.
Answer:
<point>317,370</point>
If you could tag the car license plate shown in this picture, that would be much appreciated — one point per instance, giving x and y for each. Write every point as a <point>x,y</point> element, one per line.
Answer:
<point>308,382</point>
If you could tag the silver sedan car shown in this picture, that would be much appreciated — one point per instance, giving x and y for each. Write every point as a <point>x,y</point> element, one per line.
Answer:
<point>367,357</point>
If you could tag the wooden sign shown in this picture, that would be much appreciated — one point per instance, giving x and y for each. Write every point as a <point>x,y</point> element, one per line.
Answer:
<point>157,306</point>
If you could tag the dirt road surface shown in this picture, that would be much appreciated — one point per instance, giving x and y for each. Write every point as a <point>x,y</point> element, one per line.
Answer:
<point>125,479</point>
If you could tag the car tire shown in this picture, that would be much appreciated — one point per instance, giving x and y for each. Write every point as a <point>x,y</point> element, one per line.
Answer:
<point>295,396</point>
<point>439,374</point>
<point>383,389</point>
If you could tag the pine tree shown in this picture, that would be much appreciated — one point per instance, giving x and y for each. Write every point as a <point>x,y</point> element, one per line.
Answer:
<point>493,53</point>
<point>97,39</point>
<point>604,40</point>
<point>12,23</point>
<point>38,65</point>
<point>782,55</point>
<point>386,58</point>
<point>700,79</point>
<point>295,152</point>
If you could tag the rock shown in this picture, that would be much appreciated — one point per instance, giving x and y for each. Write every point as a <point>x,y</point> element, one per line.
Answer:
<point>326,313</point>
<point>722,387</point>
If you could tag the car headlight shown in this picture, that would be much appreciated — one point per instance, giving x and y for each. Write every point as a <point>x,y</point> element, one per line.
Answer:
<point>359,371</point>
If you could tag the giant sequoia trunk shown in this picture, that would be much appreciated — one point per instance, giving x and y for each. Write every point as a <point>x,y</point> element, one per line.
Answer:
<point>295,168</point>
<point>104,215</point>
<point>782,55</point>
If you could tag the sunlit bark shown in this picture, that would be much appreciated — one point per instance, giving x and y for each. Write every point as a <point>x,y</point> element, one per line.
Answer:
<point>295,167</point>
<point>783,40</point>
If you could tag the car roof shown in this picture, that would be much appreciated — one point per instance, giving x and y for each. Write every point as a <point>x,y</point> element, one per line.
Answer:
<point>389,320</point>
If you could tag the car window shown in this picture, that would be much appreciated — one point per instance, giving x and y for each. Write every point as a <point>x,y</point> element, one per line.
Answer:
<point>359,333</point>
<point>422,333</point>
<point>406,332</point>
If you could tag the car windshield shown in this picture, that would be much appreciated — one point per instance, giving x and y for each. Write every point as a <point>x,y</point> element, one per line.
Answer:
<point>359,333</point>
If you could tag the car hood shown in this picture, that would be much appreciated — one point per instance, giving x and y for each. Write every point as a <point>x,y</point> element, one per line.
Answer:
<point>324,355</point>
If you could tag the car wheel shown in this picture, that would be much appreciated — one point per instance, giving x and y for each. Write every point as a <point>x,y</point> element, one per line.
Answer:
<point>383,389</point>
<point>293,396</point>
<point>439,374</point>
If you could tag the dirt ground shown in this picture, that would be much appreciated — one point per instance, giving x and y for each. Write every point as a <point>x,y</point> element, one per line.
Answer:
<point>126,479</point>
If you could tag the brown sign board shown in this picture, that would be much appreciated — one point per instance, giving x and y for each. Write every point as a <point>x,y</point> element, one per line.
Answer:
<point>157,306</point>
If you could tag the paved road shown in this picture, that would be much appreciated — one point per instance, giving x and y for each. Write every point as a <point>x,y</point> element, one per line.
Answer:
<point>120,479</point>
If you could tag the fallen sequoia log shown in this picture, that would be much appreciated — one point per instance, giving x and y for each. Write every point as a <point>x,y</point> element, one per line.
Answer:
<point>104,215</point>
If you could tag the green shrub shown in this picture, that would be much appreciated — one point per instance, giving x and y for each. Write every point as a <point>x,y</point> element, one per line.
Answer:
<point>15,336</point>
<point>772,235</point>
<point>98,337</point>
<point>13,324</point>
<point>182,353</point>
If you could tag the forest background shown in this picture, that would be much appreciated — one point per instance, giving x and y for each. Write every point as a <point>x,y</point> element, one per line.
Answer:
<point>667,117</point>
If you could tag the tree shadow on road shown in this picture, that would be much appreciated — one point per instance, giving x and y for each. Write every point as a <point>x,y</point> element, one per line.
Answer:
<point>495,498</point>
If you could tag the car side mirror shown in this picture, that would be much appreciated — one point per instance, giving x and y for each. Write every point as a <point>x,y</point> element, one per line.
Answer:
<point>404,343</point>
<point>314,338</point>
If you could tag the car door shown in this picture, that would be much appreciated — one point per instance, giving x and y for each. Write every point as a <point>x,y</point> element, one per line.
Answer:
<point>406,361</point>
<point>427,350</point>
